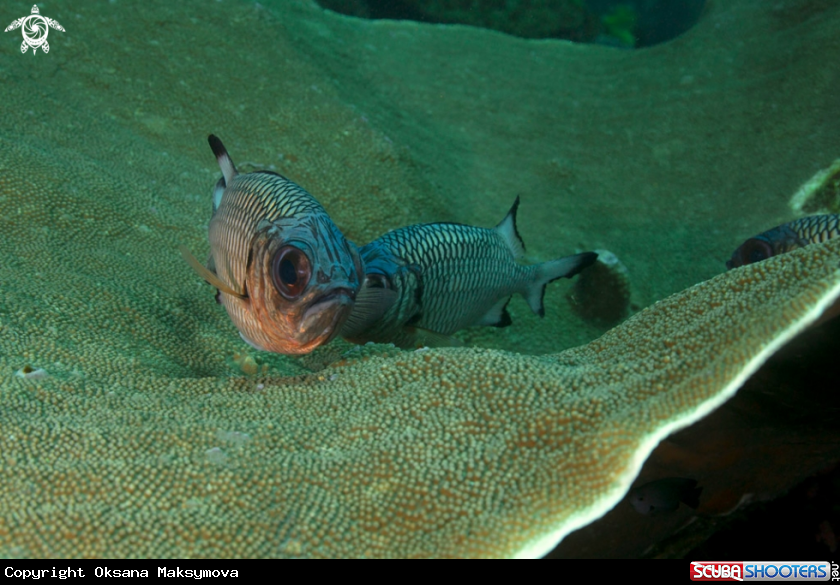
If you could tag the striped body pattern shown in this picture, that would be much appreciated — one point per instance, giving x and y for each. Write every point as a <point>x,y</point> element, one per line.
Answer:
<point>448,276</point>
<point>248,201</point>
<point>816,228</point>
<point>786,237</point>
<point>285,273</point>
<point>451,274</point>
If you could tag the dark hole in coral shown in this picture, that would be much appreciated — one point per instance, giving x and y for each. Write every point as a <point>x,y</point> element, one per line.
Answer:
<point>600,294</point>
<point>620,23</point>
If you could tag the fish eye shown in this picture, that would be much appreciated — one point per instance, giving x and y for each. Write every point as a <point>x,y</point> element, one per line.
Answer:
<point>757,256</point>
<point>756,251</point>
<point>377,281</point>
<point>290,271</point>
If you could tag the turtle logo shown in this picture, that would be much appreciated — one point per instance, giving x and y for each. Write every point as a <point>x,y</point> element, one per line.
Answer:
<point>34,28</point>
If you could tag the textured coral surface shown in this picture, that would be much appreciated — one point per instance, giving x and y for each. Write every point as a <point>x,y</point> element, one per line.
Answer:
<point>146,438</point>
<point>430,453</point>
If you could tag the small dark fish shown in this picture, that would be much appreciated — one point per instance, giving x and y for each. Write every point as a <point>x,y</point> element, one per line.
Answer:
<point>447,276</point>
<point>786,237</point>
<point>285,273</point>
<point>664,495</point>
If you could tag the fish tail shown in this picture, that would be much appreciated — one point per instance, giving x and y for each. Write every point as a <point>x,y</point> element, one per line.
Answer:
<point>550,271</point>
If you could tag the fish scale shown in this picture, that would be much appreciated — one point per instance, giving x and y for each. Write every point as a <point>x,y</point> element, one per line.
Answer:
<point>248,200</point>
<point>448,276</point>
<point>786,237</point>
<point>465,261</point>
<point>284,272</point>
<point>817,228</point>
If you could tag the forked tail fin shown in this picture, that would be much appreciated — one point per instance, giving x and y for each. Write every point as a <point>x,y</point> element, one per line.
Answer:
<point>550,271</point>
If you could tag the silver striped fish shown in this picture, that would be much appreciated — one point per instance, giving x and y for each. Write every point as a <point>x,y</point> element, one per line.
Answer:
<point>285,273</point>
<point>786,237</point>
<point>447,276</point>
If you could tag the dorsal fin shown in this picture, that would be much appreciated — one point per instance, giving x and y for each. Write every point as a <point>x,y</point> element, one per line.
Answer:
<point>507,229</point>
<point>218,192</point>
<point>223,158</point>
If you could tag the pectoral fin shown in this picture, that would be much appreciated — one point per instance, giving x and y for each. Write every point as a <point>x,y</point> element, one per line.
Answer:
<point>371,304</point>
<point>15,24</point>
<point>211,278</point>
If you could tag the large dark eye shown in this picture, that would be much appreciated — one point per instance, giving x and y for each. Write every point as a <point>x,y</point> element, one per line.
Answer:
<point>376,281</point>
<point>290,271</point>
<point>755,250</point>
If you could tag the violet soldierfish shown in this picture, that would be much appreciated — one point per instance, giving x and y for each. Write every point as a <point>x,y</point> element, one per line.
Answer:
<point>285,273</point>
<point>447,276</point>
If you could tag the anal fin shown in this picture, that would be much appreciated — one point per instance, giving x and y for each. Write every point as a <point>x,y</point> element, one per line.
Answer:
<point>498,315</point>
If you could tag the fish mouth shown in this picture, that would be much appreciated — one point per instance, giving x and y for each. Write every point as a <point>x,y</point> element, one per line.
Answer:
<point>336,293</point>
<point>327,313</point>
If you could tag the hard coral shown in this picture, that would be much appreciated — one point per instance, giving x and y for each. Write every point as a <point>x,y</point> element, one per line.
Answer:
<point>460,452</point>
<point>821,193</point>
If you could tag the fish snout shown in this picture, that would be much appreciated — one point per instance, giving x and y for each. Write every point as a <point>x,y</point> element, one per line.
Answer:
<point>327,314</point>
